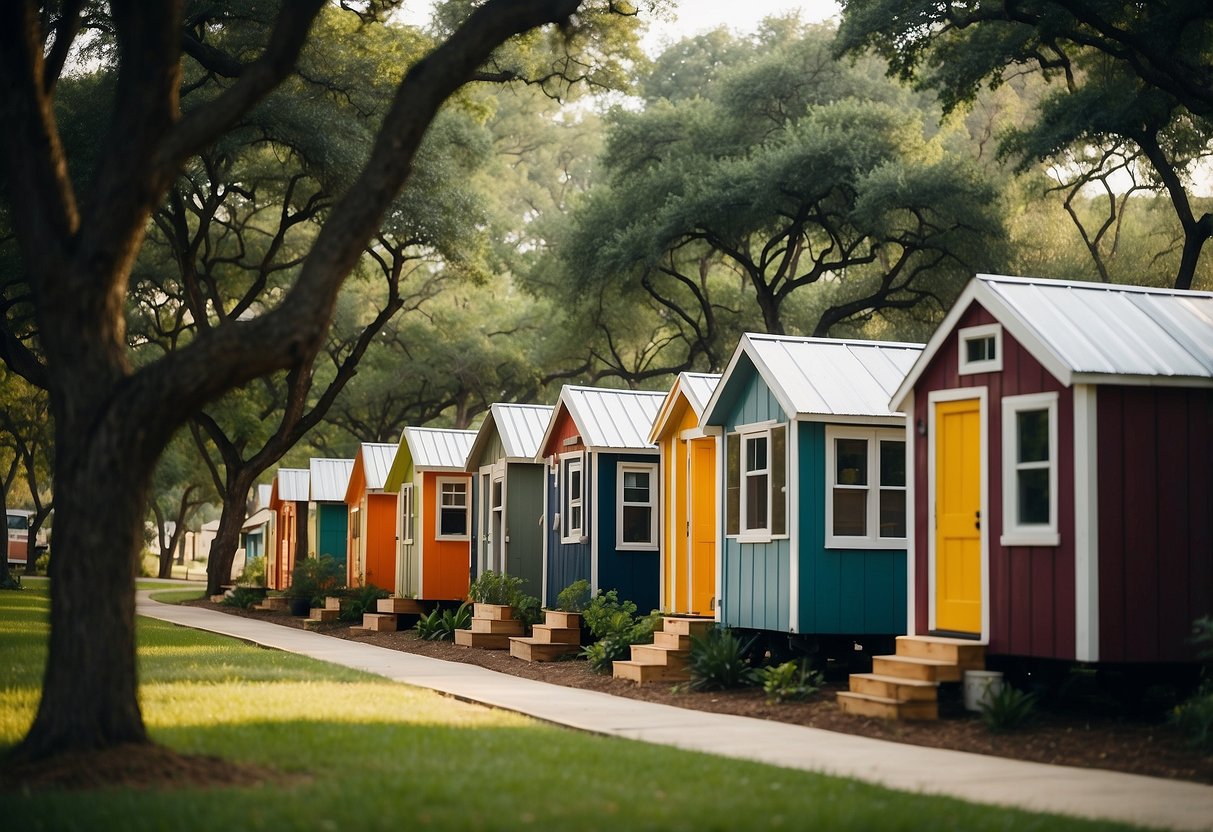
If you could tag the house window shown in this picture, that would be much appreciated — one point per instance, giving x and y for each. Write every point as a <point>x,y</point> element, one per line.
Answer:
<point>1029,470</point>
<point>980,349</point>
<point>756,493</point>
<point>637,506</point>
<point>865,488</point>
<point>573,479</point>
<point>452,509</point>
<point>406,512</point>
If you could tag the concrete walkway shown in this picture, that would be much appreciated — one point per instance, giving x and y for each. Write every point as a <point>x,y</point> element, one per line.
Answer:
<point>1088,793</point>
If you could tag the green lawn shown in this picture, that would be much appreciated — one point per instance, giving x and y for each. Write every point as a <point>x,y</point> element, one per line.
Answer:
<point>379,755</point>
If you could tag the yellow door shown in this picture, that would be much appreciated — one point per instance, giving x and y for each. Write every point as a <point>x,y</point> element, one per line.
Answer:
<point>957,516</point>
<point>678,502</point>
<point>702,525</point>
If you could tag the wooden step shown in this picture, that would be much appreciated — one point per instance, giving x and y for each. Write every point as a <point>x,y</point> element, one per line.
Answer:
<point>333,602</point>
<point>893,687</point>
<point>644,672</point>
<point>533,650</point>
<point>862,704</point>
<point>218,599</point>
<point>324,614</point>
<point>496,612</point>
<point>547,634</point>
<point>652,654</point>
<point>503,626</point>
<point>968,655</point>
<point>686,626</point>
<point>378,622</point>
<point>275,604</point>
<point>402,605</point>
<point>908,667</point>
<point>671,641</point>
<point>562,620</point>
<point>485,641</point>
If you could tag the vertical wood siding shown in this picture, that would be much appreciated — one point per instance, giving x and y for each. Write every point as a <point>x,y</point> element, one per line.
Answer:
<point>332,529</point>
<point>446,568</point>
<point>524,513</point>
<point>635,574</point>
<point>566,562</point>
<point>380,541</point>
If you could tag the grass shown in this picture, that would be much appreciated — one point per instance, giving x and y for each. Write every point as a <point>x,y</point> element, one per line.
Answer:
<point>379,755</point>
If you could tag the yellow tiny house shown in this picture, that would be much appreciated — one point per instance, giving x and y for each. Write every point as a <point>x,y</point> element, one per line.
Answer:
<point>688,501</point>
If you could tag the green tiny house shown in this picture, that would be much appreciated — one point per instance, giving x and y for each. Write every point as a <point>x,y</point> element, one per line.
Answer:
<point>329,517</point>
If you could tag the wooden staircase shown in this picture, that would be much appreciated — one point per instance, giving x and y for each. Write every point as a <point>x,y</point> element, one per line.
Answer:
<point>559,635</point>
<point>666,658</point>
<point>492,627</point>
<point>278,603</point>
<point>386,617</point>
<point>906,685</point>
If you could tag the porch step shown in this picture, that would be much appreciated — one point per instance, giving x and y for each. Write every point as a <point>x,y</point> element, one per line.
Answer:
<point>561,619</point>
<point>378,623</point>
<point>275,604</point>
<point>546,634</point>
<point>893,687</point>
<point>967,655</point>
<point>684,626</point>
<point>502,626</point>
<point>644,672</point>
<point>666,658</point>
<point>496,612</point>
<point>652,654</point>
<point>671,641</point>
<point>399,605</point>
<point>910,667</point>
<point>533,650</point>
<point>482,640</point>
<point>324,614</point>
<point>862,704</point>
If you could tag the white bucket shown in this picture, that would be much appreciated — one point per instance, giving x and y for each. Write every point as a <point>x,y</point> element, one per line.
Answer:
<point>980,685</point>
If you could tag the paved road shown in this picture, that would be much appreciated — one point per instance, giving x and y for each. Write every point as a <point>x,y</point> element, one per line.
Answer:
<point>1089,793</point>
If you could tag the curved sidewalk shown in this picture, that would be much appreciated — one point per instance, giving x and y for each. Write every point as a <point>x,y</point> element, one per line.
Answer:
<point>1091,793</point>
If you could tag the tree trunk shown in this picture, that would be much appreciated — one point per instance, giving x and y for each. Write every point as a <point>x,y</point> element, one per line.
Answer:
<point>227,538</point>
<point>5,572</point>
<point>301,543</point>
<point>1195,237</point>
<point>31,559</point>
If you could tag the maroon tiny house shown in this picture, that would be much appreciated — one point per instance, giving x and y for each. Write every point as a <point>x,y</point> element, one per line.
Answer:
<point>1063,471</point>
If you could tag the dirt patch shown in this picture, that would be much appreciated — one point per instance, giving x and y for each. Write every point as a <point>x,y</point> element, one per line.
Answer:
<point>1138,746</point>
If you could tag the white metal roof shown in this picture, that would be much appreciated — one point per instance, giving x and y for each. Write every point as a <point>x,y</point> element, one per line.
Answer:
<point>818,376</point>
<point>264,493</point>
<point>376,460</point>
<point>258,518</point>
<point>520,426</point>
<point>330,479</point>
<point>1093,332</point>
<point>610,420</point>
<point>697,388</point>
<point>293,484</point>
<point>437,449</point>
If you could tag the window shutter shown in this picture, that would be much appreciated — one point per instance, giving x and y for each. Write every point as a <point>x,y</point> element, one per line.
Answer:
<point>733,489</point>
<point>779,480</point>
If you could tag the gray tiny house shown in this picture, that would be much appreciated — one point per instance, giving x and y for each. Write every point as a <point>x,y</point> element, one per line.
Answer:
<point>507,493</point>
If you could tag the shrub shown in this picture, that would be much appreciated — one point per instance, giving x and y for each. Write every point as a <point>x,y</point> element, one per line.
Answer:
<point>440,625</point>
<point>243,597</point>
<point>606,614</point>
<point>719,661</point>
<point>43,563</point>
<point>362,600</point>
<point>603,653</point>
<point>313,578</point>
<point>1007,710</point>
<point>495,588</point>
<point>574,597</point>
<point>1195,719</point>
<point>790,682</point>
<point>616,628</point>
<point>527,609</point>
<point>253,574</point>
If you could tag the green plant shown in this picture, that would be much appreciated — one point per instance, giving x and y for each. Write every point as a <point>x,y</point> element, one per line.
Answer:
<point>1195,719</point>
<point>574,597</point>
<point>313,578</point>
<point>253,574</point>
<point>440,625</point>
<point>527,609</point>
<point>495,588</point>
<point>606,614</point>
<point>361,600</point>
<point>1007,709</point>
<point>719,661</point>
<point>43,563</point>
<point>791,681</point>
<point>243,597</point>
<point>612,648</point>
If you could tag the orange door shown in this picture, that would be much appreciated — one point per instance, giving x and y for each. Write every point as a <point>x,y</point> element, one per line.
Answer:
<point>701,484</point>
<point>380,541</point>
<point>958,516</point>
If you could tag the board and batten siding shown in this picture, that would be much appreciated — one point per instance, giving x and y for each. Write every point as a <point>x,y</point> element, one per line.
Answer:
<point>635,574</point>
<point>332,522</point>
<point>841,591</point>
<point>567,562</point>
<point>524,528</point>
<point>1155,458</point>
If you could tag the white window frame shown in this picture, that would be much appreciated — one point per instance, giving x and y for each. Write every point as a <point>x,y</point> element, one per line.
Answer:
<point>651,469</point>
<point>1015,533</point>
<point>467,508</point>
<point>873,437</point>
<point>974,333</point>
<point>743,433</point>
<point>406,514</point>
<point>569,463</point>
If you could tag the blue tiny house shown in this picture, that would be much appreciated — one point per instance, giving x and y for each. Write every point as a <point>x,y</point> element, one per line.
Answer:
<point>507,493</point>
<point>812,486</point>
<point>329,516</point>
<point>601,506</point>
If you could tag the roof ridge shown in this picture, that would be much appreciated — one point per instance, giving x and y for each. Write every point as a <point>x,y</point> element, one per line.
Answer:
<point>1092,285</point>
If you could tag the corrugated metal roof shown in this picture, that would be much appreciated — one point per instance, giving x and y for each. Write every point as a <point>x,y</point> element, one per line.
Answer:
<point>699,388</point>
<point>438,448</point>
<point>330,479</point>
<point>264,493</point>
<point>376,461</point>
<point>613,419</point>
<point>520,426</point>
<point>293,484</point>
<point>819,376</point>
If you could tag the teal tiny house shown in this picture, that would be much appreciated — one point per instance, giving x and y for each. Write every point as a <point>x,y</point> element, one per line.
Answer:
<point>329,515</point>
<point>812,486</point>
<point>507,493</point>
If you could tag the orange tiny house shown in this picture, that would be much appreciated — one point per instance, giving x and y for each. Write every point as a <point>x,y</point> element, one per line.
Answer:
<point>371,558</point>
<point>433,505</point>
<point>688,497</point>
<point>288,501</point>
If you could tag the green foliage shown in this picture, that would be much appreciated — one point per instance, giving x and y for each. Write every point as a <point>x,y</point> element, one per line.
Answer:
<point>440,625</point>
<point>360,601</point>
<point>495,588</point>
<point>720,661</point>
<point>602,653</point>
<point>1195,719</point>
<point>1202,637</point>
<point>314,578</point>
<point>1008,709</point>
<point>527,609</point>
<point>43,563</point>
<point>791,681</point>
<point>254,573</point>
<point>574,597</point>
<point>606,614</point>
<point>243,597</point>
<point>10,580</point>
<point>616,627</point>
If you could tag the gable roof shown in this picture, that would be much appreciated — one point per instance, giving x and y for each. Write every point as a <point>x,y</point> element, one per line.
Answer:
<point>1095,333</point>
<point>696,388</point>
<point>817,377</point>
<point>293,484</point>
<point>375,459</point>
<point>330,479</point>
<point>428,449</point>
<point>264,492</point>
<point>608,419</point>
<point>520,426</point>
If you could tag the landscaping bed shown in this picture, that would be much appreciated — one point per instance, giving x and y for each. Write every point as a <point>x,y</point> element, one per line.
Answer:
<point>1137,746</point>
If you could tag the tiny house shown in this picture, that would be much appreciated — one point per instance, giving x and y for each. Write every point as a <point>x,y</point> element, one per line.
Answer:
<point>433,507</point>
<point>1062,485</point>
<point>688,497</point>
<point>811,473</point>
<point>507,493</point>
<point>329,515</point>
<point>601,499</point>
<point>371,542</point>
<point>288,501</point>
<point>257,531</point>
